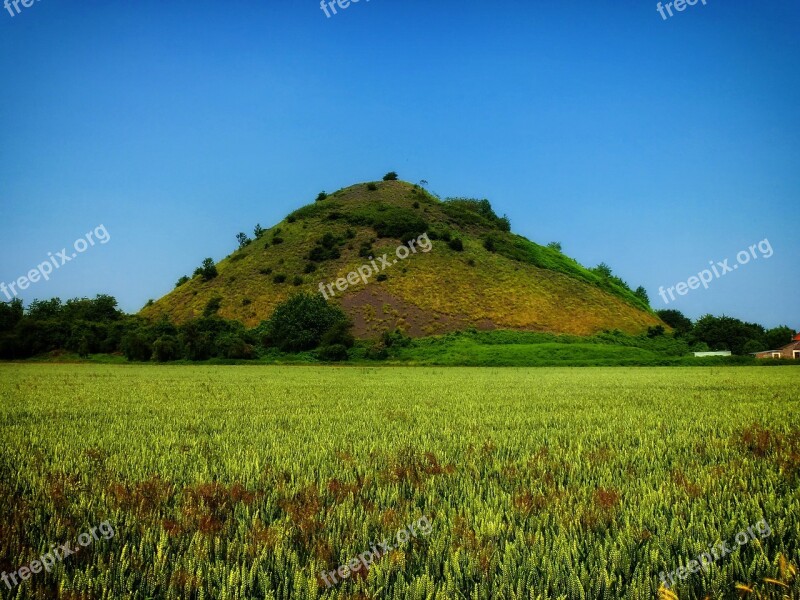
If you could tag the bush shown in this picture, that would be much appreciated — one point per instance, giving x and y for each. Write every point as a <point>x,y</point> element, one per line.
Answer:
<point>376,352</point>
<point>395,338</point>
<point>339,333</point>
<point>334,353</point>
<point>300,322</point>
<point>246,301</point>
<point>456,244</point>
<point>181,281</point>
<point>297,280</point>
<point>166,348</point>
<point>365,250</point>
<point>321,197</point>
<point>416,204</point>
<point>242,239</point>
<point>291,218</point>
<point>266,271</point>
<point>230,345</point>
<point>135,346</point>
<point>489,244</point>
<point>326,248</point>
<point>400,227</point>
<point>390,176</point>
<point>212,307</point>
<point>279,278</point>
<point>277,240</point>
<point>372,187</point>
<point>207,270</point>
<point>309,268</point>
<point>382,277</point>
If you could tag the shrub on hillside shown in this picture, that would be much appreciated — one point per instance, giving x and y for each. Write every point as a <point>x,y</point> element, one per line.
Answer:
<point>207,271</point>
<point>390,176</point>
<point>212,307</point>
<point>326,248</point>
<point>181,281</point>
<point>456,244</point>
<point>372,187</point>
<point>279,278</point>
<point>242,239</point>
<point>321,196</point>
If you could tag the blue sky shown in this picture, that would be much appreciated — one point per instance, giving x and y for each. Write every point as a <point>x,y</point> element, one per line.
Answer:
<point>655,146</point>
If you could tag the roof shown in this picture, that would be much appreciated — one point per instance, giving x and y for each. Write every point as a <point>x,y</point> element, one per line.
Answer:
<point>796,338</point>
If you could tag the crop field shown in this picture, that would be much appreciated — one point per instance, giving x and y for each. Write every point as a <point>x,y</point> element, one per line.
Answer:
<point>267,482</point>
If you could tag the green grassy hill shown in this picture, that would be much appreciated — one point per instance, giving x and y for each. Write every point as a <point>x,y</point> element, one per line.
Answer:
<point>498,281</point>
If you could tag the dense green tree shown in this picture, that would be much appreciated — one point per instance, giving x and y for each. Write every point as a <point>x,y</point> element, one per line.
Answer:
<point>778,337</point>
<point>207,271</point>
<point>641,293</point>
<point>677,320</point>
<point>603,270</point>
<point>726,333</point>
<point>166,348</point>
<point>10,314</point>
<point>390,176</point>
<point>300,322</point>
<point>136,345</point>
<point>242,239</point>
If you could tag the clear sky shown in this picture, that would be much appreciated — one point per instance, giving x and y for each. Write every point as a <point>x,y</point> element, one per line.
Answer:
<point>653,145</point>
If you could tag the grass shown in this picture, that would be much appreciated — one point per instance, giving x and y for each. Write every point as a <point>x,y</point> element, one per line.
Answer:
<point>539,483</point>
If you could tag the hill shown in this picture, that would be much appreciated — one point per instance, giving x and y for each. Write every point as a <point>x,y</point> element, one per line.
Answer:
<point>475,273</point>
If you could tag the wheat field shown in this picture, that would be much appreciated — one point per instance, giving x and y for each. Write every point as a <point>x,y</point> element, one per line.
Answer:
<point>249,482</point>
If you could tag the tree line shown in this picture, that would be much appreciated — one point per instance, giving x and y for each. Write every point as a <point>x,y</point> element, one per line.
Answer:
<point>303,323</point>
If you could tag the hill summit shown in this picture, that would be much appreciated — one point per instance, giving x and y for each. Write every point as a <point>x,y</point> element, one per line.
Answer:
<point>461,267</point>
